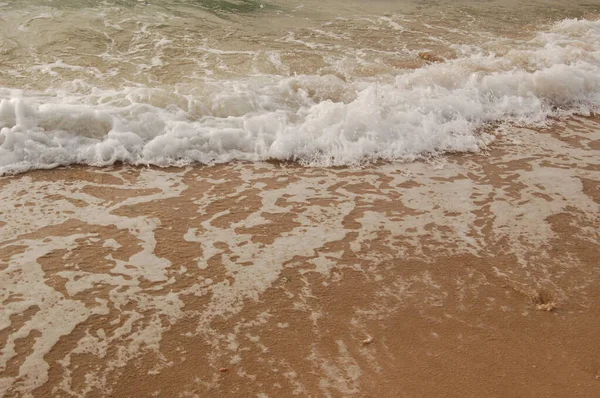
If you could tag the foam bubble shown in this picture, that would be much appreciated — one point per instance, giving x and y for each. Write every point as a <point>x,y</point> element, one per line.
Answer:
<point>316,120</point>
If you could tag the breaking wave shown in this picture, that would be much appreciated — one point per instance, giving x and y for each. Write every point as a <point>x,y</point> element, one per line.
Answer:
<point>314,120</point>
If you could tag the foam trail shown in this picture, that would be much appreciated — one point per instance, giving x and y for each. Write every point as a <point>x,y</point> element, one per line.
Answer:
<point>316,120</point>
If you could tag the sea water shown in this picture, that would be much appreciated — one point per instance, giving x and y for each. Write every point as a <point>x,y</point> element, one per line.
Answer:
<point>165,82</point>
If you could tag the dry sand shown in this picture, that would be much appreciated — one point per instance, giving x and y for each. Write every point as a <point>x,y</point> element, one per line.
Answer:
<point>469,275</point>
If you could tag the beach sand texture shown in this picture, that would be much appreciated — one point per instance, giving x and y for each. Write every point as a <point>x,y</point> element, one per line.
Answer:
<point>465,275</point>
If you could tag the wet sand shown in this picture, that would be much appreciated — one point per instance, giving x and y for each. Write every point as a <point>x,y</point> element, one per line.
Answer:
<point>466,275</point>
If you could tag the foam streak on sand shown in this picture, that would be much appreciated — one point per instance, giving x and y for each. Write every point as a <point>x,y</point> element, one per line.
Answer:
<point>313,119</point>
<point>259,278</point>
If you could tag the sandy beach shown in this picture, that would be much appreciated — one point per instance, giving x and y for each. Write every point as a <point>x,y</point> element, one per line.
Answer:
<point>248,198</point>
<point>466,275</point>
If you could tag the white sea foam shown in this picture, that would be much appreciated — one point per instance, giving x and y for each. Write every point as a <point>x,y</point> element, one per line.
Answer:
<point>317,120</point>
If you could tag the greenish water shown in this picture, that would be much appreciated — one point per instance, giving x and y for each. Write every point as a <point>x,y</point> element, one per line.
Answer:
<point>321,82</point>
<point>307,37</point>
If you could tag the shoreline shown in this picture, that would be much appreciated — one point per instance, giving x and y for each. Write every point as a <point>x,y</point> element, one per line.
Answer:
<point>493,129</point>
<point>472,274</point>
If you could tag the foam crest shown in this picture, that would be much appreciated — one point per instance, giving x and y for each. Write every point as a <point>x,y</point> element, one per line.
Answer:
<point>315,120</point>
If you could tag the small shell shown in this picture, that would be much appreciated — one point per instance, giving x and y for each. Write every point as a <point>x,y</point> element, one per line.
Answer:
<point>368,340</point>
<point>223,370</point>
